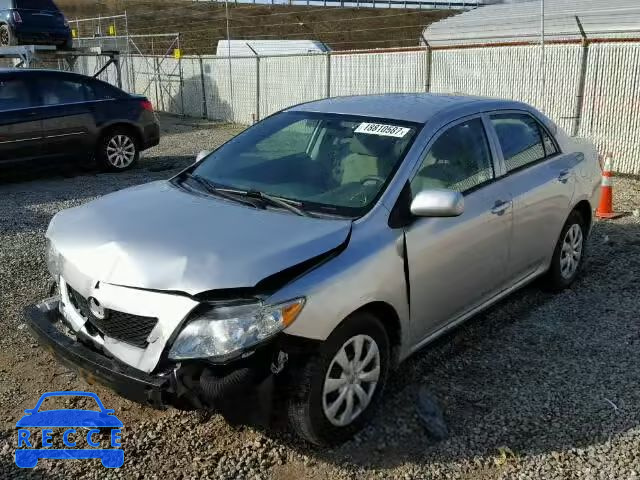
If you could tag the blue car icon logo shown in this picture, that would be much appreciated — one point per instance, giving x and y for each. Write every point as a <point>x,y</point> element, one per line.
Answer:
<point>78,425</point>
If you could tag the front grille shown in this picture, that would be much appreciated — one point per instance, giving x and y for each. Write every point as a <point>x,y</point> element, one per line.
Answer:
<point>131,329</point>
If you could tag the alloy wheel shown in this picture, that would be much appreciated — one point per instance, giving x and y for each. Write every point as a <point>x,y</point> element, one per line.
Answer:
<point>571,252</point>
<point>351,380</point>
<point>4,36</point>
<point>121,151</point>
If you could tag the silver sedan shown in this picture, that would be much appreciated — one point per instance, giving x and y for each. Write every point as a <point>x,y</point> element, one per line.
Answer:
<point>316,251</point>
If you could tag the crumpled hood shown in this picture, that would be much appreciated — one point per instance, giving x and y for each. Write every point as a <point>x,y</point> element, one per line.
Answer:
<point>157,236</point>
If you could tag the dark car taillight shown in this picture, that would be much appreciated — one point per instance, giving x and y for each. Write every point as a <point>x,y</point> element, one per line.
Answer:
<point>146,105</point>
<point>16,17</point>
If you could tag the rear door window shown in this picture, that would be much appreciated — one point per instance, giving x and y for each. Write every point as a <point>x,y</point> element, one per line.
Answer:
<point>14,94</point>
<point>520,138</point>
<point>58,91</point>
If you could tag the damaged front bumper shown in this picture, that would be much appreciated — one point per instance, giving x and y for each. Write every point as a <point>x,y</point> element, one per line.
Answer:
<point>196,384</point>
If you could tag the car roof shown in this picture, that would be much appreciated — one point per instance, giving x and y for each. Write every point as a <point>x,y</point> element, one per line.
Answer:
<point>409,107</point>
<point>40,71</point>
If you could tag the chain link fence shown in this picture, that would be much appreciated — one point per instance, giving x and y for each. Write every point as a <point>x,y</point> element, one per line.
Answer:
<point>589,88</point>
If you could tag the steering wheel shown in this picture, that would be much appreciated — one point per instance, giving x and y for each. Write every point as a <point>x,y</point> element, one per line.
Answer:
<point>372,178</point>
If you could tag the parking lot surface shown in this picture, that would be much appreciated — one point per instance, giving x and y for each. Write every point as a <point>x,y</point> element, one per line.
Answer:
<point>540,386</point>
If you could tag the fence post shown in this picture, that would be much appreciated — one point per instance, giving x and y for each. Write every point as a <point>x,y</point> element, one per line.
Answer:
<point>328,75</point>
<point>181,73</point>
<point>257,88</point>
<point>584,57</point>
<point>427,79</point>
<point>205,113</point>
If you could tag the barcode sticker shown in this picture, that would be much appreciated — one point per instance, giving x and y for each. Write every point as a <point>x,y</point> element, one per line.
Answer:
<point>381,129</point>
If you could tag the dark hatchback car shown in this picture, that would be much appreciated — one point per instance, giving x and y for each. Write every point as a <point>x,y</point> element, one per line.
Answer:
<point>49,115</point>
<point>33,22</point>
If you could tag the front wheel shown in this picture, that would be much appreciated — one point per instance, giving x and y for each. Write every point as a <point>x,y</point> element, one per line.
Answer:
<point>568,255</point>
<point>118,150</point>
<point>336,392</point>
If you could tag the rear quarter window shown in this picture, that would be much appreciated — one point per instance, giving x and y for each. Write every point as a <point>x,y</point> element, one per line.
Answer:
<point>104,91</point>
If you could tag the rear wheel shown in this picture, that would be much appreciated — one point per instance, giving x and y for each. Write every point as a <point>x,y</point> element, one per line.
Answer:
<point>568,255</point>
<point>336,392</point>
<point>118,150</point>
<point>6,37</point>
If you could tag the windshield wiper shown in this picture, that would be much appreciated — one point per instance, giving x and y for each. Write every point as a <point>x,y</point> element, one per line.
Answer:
<point>291,205</point>
<point>212,188</point>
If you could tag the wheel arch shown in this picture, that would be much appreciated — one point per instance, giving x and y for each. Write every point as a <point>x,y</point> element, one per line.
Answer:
<point>386,313</point>
<point>583,207</point>
<point>134,129</point>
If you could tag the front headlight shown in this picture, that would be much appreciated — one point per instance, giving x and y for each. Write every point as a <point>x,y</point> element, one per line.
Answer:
<point>225,329</point>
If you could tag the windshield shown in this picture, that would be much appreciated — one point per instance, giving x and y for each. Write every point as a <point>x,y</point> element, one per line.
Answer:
<point>324,161</point>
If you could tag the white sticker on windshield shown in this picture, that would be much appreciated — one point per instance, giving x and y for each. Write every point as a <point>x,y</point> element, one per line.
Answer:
<point>384,130</point>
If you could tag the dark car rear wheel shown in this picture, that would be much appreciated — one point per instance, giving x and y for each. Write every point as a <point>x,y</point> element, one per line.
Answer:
<point>118,150</point>
<point>335,393</point>
<point>6,36</point>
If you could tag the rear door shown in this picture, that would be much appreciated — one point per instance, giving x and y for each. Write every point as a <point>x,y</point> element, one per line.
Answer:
<point>541,180</point>
<point>68,124</point>
<point>20,125</point>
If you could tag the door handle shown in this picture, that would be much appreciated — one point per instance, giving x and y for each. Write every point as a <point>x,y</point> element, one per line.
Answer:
<point>564,176</point>
<point>500,207</point>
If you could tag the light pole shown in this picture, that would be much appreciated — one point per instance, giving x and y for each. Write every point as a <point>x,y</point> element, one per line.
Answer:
<point>226,13</point>
<point>542,59</point>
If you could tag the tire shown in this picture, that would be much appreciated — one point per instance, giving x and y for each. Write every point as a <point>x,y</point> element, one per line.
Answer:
<point>308,401</point>
<point>568,255</point>
<point>6,36</point>
<point>118,150</point>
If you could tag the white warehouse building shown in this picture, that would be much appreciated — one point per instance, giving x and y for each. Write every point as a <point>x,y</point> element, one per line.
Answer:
<point>519,21</point>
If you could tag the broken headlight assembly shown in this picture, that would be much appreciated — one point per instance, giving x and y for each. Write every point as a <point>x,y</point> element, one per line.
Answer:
<point>219,330</point>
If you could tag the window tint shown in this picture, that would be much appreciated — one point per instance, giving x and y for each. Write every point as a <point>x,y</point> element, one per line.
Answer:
<point>330,162</point>
<point>54,91</point>
<point>14,94</point>
<point>104,91</point>
<point>459,159</point>
<point>519,137</point>
<point>549,145</point>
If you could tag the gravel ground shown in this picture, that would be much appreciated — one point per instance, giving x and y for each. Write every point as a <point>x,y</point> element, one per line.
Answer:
<point>540,386</point>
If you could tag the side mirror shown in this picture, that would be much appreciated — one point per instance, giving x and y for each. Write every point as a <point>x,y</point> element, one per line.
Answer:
<point>202,155</point>
<point>438,203</point>
<point>29,411</point>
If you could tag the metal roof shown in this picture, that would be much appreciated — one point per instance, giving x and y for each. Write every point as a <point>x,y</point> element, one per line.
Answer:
<point>408,107</point>
<point>519,21</point>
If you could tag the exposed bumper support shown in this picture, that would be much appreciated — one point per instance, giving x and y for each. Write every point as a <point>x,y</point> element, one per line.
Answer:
<point>192,385</point>
<point>129,382</point>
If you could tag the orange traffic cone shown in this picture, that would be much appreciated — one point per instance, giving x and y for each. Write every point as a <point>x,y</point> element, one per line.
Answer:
<point>605,209</point>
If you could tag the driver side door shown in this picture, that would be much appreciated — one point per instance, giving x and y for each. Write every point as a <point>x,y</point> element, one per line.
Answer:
<point>458,263</point>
